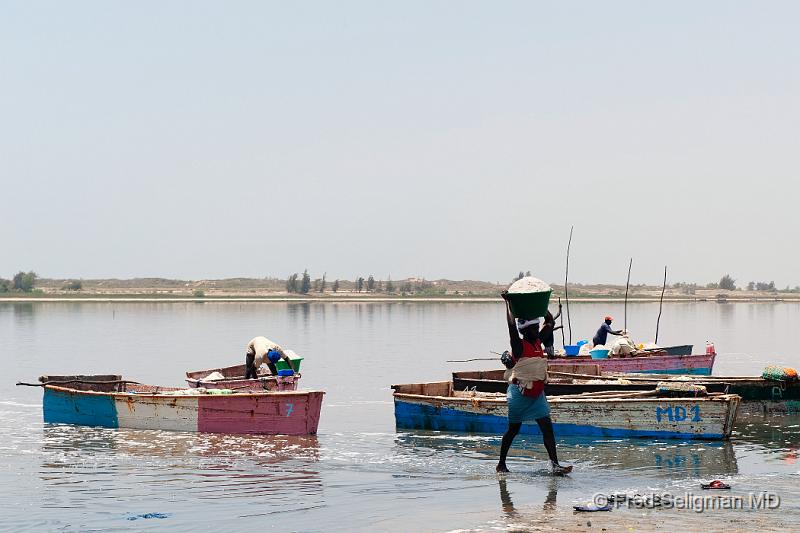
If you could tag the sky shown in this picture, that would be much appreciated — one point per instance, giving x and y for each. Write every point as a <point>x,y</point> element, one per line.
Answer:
<point>436,139</point>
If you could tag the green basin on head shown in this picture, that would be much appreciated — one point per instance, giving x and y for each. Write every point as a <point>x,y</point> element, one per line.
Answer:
<point>529,304</point>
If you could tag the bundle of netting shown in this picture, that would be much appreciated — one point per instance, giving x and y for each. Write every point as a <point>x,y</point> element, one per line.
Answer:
<point>779,373</point>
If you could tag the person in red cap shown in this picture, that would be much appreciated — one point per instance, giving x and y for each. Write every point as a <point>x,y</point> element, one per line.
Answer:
<point>602,334</point>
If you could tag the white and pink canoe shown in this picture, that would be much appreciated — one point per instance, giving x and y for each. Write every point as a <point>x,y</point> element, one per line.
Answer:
<point>114,403</point>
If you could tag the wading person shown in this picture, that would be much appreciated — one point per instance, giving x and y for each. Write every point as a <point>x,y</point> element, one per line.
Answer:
<point>546,333</point>
<point>601,337</point>
<point>260,351</point>
<point>527,370</point>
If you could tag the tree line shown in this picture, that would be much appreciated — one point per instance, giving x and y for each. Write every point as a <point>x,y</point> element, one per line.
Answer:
<point>304,284</point>
<point>26,282</point>
<point>21,282</point>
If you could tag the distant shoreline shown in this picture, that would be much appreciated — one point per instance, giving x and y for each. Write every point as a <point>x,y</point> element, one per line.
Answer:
<point>151,298</point>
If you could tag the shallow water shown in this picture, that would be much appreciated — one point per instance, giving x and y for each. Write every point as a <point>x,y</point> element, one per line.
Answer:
<point>358,473</point>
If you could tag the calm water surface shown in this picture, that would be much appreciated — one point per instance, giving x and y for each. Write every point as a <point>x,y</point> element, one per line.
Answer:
<point>359,473</point>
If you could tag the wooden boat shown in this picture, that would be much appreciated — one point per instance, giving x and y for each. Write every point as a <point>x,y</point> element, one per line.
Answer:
<point>114,403</point>
<point>234,379</point>
<point>682,349</point>
<point>436,406</point>
<point>758,394</point>
<point>647,363</point>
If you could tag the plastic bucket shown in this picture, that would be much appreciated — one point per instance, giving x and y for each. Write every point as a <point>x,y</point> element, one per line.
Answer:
<point>572,349</point>
<point>283,365</point>
<point>599,354</point>
<point>528,304</point>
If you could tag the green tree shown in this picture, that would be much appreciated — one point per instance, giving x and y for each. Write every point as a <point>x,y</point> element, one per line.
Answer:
<point>528,273</point>
<point>322,283</point>
<point>24,281</point>
<point>198,293</point>
<point>74,285</point>
<point>359,284</point>
<point>727,283</point>
<point>305,283</point>
<point>751,286</point>
<point>336,286</point>
<point>291,283</point>
<point>389,286</point>
<point>370,283</point>
<point>5,285</point>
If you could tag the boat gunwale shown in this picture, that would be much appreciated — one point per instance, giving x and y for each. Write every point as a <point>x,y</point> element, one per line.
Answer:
<point>173,396</point>
<point>501,399</point>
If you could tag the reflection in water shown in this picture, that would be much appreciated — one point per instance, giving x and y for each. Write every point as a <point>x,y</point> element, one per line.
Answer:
<point>505,497</point>
<point>24,312</point>
<point>549,506</point>
<point>210,466</point>
<point>687,458</point>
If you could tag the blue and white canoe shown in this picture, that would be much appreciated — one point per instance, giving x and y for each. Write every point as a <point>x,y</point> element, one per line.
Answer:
<point>436,406</point>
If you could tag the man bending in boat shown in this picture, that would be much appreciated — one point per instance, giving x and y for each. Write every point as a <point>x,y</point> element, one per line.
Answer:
<point>527,370</point>
<point>601,336</point>
<point>261,350</point>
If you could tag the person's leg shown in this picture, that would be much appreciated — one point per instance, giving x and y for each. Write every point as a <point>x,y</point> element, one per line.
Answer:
<point>546,427</point>
<point>505,445</point>
<point>250,371</point>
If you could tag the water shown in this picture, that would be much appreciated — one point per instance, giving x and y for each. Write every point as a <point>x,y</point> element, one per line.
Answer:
<point>358,473</point>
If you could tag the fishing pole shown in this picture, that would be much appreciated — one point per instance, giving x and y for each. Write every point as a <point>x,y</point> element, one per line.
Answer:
<point>470,360</point>
<point>566,281</point>
<point>475,359</point>
<point>661,303</point>
<point>627,285</point>
<point>562,323</point>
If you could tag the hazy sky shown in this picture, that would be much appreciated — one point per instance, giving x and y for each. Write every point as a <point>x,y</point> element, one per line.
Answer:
<point>439,139</point>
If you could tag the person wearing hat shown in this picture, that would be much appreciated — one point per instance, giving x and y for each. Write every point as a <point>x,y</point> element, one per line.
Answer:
<point>526,374</point>
<point>261,350</point>
<point>602,334</point>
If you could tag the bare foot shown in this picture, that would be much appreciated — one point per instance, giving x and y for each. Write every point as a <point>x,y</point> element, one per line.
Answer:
<point>559,470</point>
<point>502,468</point>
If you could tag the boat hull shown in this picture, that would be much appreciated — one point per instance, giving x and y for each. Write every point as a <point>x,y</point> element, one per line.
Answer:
<point>683,418</point>
<point>274,413</point>
<point>700,365</point>
<point>752,389</point>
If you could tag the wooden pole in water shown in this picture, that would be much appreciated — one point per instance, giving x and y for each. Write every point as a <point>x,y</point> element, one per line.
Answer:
<point>566,282</point>
<point>627,285</point>
<point>661,302</point>
<point>562,325</point>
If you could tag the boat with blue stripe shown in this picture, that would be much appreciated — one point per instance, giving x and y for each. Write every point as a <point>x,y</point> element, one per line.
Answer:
<point>436,406</point>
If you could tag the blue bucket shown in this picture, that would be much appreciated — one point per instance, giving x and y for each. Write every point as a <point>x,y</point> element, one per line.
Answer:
<point>286,372</point>
<point>572,349</point>
<point>599,353</point>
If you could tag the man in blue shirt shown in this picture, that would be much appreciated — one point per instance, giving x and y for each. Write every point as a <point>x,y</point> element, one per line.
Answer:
<point>602,334</point>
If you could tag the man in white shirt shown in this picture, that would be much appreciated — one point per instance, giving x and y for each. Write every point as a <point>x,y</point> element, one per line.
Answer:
<point>260,351</point>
